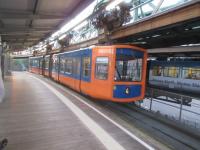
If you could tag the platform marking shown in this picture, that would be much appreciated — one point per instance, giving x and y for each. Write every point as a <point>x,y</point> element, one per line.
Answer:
<point>112,121</point>
<point>107,118</point>
<point>100,133</point>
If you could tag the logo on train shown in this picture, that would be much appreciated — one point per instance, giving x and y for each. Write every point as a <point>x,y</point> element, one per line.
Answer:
<point>127,91</point>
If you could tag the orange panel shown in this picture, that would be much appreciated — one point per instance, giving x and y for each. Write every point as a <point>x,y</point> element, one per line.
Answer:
<point>55,76</point>
<point>71,82</point>
<point>35,70</point>
<point>99,88</point>
<point>46,73</point>
<point>103,89</point>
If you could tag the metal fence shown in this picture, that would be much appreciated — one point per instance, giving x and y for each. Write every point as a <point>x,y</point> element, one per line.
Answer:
<point>172,106</point>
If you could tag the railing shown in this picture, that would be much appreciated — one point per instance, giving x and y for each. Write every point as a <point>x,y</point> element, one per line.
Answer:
<point>175,107</point>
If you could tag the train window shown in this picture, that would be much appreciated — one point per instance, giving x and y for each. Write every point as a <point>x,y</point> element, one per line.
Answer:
<point>36,63</point>
<point>47,64</point>
<point>171,72</point>
<point>86,66</point>
<point>101,71</point>
<point>41,63</point>
<point>62,65</point>
<point>55,64</point>
<point>76,66</point>
<point>157,71</point>
<point>128,69</point>
<point>68,65</point>
<point>191,73</point>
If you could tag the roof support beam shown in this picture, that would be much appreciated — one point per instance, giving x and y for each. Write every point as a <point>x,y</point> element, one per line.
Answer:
<point>23,28</point>
<point>22,33</point>
<point>17,14</point>
<point>36,16</point>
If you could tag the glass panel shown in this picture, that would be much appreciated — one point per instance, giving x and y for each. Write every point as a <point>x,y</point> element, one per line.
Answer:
<point>128,69</point>
<point>62,65</point>
<point>41,63</point>
<point>76,66</point>
<point>191,73</point>
<point>86,66</point>
<point>101,68</point>
<point>171,72</point>
<point>47,63</point>
<point>68,65</point>
<point>157,71</point>
<point>55,63</point>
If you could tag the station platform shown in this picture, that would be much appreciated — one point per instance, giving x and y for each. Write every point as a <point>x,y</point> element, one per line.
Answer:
<point>38,115</point>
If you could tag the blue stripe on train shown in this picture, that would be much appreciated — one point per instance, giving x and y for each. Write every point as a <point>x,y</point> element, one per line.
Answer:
<point>78,55</point>
<point>126,91</point>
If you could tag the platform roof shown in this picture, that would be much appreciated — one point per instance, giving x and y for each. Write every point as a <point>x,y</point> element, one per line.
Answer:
<point>24,23</point>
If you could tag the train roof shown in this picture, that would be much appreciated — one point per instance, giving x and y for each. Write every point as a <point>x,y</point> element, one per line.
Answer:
<point>36,57</point>
<point>91,47</point>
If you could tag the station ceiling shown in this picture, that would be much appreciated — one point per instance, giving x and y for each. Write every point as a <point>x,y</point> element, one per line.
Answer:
<point>24,23</point>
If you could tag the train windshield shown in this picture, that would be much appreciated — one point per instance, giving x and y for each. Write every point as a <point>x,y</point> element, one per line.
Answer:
<point>128,65</point>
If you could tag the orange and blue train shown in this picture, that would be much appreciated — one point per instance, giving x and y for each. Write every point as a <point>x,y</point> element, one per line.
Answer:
<point>115,73</point>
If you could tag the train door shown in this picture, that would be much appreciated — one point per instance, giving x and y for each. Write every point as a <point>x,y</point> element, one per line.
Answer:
<point>58,65</point>
<point>55,67</point>
<point>85,74</point>
<point>40,65</point>
<point>102,76</point>
<point>77,72</point>
<point>50,65</point>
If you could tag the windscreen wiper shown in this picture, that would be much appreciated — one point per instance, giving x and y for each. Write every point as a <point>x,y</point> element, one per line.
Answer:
<point>119,75</point>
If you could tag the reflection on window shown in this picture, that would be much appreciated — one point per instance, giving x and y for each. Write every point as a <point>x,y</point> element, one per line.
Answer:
<point>191,73</point>
<point>128,69</point>
<point>101,68</point>
<point>86,66</point>
<point>41,63</point>
<point>171,72</point>
<point>55,63</point>
<point>36,63</point>
<point>46,64</point>
<point>68,65</point>
<point>62,65</point>
<point>157,71</point>
<point>76,66</point>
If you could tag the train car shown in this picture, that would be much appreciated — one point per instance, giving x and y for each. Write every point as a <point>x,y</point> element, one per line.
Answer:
<point>116,73</point>
<point>179,76</point>
<point>36,65</point>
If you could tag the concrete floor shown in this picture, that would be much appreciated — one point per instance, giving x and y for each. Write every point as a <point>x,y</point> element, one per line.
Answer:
<point>33,118</point>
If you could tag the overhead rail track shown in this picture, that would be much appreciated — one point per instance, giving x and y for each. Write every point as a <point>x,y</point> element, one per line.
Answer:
<point>157,17</point>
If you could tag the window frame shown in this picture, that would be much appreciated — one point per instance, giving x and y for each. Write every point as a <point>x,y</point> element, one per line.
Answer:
<point>191,71</point>
<point>95,75</point>
<point>90,64</point>
<point>65,66</point>
<point>168,71</point>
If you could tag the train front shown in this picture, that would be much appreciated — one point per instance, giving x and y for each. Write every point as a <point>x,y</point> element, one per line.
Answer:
<point>130,74</point>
